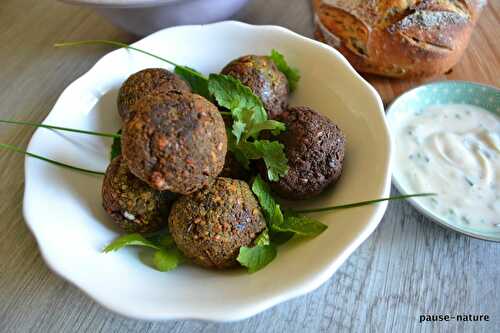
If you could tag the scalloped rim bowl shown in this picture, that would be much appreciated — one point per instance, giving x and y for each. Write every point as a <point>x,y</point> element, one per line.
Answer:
<point>63,209</point>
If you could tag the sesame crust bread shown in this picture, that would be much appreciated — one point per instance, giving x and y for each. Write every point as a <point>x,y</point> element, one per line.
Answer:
<point>398,38</point>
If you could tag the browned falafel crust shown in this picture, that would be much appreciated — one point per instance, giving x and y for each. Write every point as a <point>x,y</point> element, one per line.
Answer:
<point>210,225</point>
<point>266,81</point>
<point>132,204</point>
<point>315,148</point>
<point>175,141</point>
<point>145,82</point>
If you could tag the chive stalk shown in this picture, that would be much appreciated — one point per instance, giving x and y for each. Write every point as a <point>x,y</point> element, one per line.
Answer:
<point>124,45</point>
<point>64,165</point>
<point>363,203</point>
<point>27,123</point>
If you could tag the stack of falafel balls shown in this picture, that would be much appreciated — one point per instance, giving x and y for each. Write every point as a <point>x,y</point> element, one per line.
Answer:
<point>175,170</point>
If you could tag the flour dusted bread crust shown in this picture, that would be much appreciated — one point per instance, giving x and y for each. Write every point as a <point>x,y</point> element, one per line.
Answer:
<point>398,38</point>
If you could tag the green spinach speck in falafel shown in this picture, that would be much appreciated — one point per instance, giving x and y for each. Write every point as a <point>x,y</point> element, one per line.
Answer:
<point>210,225</point>
<point>132,204</point>
<point>176,141</point>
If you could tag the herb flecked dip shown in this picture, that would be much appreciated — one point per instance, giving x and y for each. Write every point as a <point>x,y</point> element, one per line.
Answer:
<point>454,151</point>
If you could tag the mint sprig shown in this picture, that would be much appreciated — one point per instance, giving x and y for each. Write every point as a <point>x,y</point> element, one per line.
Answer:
<point>257,257</point>
<point>300,225</point>
<point>271,208</point>
<point>250,119</point>
<point>246,108</point>
<point>198,82</point>
<point>283,222</point>
<point>167,259</point>
<point>129,240</point>
<point>260,255</point>
<point>291,73</point>
<point>279,226</point>
<point>166,256</point>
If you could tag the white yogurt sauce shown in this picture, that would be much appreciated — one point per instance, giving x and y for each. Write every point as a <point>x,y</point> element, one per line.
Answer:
<point>452,150</point>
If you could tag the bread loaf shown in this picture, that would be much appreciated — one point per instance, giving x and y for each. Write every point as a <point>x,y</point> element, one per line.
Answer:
<point>398,38</point>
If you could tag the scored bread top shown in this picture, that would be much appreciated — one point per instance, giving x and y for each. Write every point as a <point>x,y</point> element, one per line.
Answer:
<point>395,37</point>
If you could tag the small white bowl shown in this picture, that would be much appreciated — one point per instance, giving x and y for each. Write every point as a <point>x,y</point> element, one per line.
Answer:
<point>63,208</point>
<point>421,98</point>
<point>143,17</point>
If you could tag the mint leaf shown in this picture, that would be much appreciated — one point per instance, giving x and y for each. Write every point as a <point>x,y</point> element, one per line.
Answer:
<point>249,119</point>
<point>263,238</point>
<point>198,83</point>
<point>280,238</point>
<point>238,129</point>
<point>272,152</point>
<point>274,156</point>
<point>257,257</point>
<point>129,240</point>
<point>274,126</point>
<point>245,107</point>
<point>232,146</point>
<point>116,146</point>
<point>166,260</point>
<point>300,225</point>
<point>272,210</point>
<point>292,74</point>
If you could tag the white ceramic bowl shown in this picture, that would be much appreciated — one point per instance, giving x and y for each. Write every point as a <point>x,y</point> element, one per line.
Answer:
<point>143,17</point>
<point>63,208</point>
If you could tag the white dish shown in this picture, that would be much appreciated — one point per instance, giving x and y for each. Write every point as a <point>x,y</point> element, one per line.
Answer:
<point>63,208</point>
<point>143,17</point>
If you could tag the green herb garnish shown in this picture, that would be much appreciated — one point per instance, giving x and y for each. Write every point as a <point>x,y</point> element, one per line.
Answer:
<point>130,240</point>
<point>283,225</point>
<point>280,228</point>
<point>292,74</point>
<point>364,203</point>
<point>59,128</point>
<point>271,209</point>
<point>257,257</point>
<point>300,225</point>
<point>64,165</point>
<point>116,146</point>
<point>165,257</point>
<point>198,83</point>
<point>283,222</point>
<point>250,118</point>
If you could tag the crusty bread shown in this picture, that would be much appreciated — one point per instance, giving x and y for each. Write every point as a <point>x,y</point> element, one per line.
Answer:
<point>398,38</point>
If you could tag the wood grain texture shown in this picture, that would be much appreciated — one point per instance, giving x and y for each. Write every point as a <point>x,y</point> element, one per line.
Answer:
<point>408,267</point>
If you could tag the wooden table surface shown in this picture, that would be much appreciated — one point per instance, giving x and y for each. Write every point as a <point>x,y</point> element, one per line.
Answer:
<point>407,268</point>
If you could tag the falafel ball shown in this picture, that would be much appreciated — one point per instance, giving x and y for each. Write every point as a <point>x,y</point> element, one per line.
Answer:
<point>145,82</point>
<point>315,149</point>
<point>175,141</point>
<point>210,226</point>
<point>266,81</point>
<point>132,204</point>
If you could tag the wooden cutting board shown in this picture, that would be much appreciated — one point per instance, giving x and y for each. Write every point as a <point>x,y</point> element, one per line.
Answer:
<point>480,63</point>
